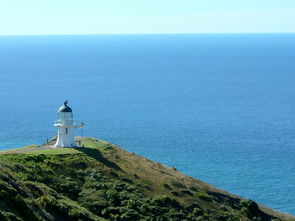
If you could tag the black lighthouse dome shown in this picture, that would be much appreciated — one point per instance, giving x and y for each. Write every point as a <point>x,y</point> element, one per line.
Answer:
<point>65,108</point>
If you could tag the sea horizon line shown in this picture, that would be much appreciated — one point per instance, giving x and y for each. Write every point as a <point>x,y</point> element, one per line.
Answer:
<point>104,34</point>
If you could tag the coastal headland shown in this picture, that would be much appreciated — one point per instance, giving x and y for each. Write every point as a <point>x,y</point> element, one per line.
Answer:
<point>101,181</point>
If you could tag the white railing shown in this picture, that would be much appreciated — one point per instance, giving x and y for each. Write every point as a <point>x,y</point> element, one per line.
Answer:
<point>65,123</point>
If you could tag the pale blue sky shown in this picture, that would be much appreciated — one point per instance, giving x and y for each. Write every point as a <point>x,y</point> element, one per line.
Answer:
<point>28,17</point>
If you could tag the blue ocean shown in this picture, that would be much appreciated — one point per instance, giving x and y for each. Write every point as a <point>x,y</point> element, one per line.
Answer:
<point>220,108</point>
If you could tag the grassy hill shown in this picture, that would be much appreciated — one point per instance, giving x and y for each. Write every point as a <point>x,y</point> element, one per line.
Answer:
<point>101,181</point>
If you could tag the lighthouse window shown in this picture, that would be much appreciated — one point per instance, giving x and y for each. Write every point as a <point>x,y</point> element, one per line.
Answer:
<point>66,130</point>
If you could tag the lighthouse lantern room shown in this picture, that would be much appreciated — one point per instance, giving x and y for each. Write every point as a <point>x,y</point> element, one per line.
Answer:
<point>65,127</point>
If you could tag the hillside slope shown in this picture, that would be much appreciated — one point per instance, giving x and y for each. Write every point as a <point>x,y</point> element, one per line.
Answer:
<point>101,181</point>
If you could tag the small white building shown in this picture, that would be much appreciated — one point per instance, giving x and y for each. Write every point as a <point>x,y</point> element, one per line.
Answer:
<point>65,127</point>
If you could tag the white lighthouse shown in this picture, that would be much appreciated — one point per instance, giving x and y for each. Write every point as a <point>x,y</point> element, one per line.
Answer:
<point>65,127</point>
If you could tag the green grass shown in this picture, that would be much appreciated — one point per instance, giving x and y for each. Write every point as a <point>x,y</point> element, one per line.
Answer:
<point>54,151</point>
<point>96,144</point>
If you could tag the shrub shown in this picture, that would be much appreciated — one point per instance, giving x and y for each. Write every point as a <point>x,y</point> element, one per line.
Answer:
<point>204,196</point>
<point>167,186</point>
<point>178,185</point>
<point>194,189</point>
<point>197,212</point>
<point>187,192</point>
<point>175,193</point>
<point>127,180</point>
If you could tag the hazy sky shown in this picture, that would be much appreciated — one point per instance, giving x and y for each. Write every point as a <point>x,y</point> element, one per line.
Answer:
<point>22,17</point>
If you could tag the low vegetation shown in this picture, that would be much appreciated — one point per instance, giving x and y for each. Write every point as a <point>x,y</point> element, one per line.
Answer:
<point>100,181</point>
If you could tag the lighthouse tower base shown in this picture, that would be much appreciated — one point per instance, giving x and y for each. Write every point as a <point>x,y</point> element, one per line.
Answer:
<point>65,138</point>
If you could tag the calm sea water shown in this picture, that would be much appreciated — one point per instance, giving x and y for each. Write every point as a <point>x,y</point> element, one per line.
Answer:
<point>220,108</point>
